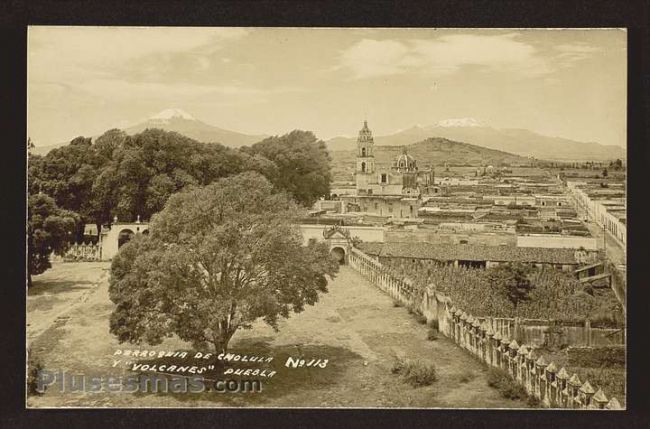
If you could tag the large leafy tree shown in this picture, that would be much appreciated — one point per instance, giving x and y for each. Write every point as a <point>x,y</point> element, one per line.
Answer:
<point>511,281</point>
<point>49,230</point>
<point>67,175</point>
<point>217,258</point>
<point>145,169</point>
<point>303,164</point>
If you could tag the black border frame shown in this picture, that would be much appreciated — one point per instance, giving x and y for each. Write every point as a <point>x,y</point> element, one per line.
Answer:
<point>16,15</point>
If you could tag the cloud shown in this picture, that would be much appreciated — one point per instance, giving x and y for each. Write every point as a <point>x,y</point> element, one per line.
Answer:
<point>116,90</point>
<point>443,55</point>
<point>102,43</point>
<point>573,52</point>
<point>64,52</point>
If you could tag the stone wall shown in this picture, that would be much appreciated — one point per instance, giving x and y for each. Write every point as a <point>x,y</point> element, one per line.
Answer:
<point>552,386</point>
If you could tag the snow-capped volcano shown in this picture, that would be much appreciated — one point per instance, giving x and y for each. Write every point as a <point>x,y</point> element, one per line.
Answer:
<point>173,113</point>
<point>178,120</point>
<point>460,122</point>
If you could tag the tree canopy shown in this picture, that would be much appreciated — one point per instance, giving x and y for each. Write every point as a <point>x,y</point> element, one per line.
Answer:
<point>126,176</point>
<point>129,176</point>
<point>217,258</point>
<point>303,164</point>
<point>49,229</point>
<point>67,175</point>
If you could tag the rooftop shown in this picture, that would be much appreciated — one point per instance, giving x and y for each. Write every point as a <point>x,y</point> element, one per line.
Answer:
<point>464,252</point>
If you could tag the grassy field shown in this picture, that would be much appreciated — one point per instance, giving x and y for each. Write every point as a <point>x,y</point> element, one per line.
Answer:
<point>354,326</point>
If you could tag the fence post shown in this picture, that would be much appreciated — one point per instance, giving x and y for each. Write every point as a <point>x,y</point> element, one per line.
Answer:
<point>514,366</point>
<point>563,388</point>
<point>587,393</point>
<point>551,385</point>
<point>522,368</point>
<point>490,345</point>
<point>574,384</point>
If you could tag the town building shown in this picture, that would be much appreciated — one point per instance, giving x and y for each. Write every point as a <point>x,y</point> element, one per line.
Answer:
<point>403,177</point>
<point>394,191</point>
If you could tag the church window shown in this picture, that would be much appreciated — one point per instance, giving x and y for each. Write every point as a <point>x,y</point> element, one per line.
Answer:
<point>384,178</point>
<point>363,167</point>
<point>363,151</point>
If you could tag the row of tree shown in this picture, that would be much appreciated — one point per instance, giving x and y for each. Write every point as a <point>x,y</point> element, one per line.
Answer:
<point>129,176</point>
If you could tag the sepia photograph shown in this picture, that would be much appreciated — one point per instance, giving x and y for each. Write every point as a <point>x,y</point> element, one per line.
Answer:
<point>284,217</point>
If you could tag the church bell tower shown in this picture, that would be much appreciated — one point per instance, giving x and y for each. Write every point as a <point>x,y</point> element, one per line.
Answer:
<point>365,159</point>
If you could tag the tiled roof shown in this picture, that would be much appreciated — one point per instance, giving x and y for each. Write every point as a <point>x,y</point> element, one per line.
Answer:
<point>470,252</point>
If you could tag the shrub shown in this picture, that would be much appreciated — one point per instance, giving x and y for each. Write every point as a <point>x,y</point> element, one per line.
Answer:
<point>467,377</point>
<point>422,319</point>
<point>434,324</point>
<point>34,367</point>
<point>398,365</point>
<point>416,373</point>
<point>533,402</point>
<point>432,335</point>
<point>420,374</point>
<point>508,387</point>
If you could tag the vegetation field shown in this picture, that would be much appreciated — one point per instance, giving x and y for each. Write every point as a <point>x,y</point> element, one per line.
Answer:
<point>532,293</point>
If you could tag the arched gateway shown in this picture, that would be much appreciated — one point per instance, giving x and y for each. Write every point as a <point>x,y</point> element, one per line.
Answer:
<point>338,239</point>
<point>117,235</point>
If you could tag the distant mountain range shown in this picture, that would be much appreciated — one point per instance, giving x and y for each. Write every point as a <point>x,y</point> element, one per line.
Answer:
<point>517,141</point>
<point>182,122</point>
<point>429,152</point>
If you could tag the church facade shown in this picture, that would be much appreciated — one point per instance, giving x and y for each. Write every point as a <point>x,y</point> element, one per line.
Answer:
<point>394,190</point>
<point>403,177</point>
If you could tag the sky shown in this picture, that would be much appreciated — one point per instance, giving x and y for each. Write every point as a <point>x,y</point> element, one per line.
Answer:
<point>566,83</point>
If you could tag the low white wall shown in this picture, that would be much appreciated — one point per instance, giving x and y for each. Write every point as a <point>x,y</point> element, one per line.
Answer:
<point>557,241</point>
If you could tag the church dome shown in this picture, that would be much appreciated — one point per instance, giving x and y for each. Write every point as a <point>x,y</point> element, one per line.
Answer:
<point>405,162</point>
